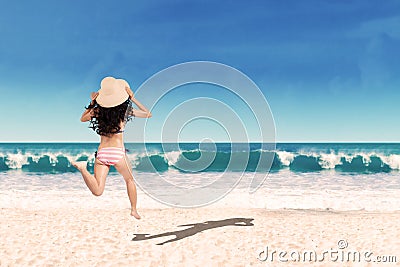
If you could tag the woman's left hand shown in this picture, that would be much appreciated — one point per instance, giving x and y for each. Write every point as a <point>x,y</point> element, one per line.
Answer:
<point>94,95</point>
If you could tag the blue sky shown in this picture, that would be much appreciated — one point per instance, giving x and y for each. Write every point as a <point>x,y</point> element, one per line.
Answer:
<point>330,70</point>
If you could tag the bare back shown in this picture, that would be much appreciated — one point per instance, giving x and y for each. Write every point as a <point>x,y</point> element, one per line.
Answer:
<point>114,140</point>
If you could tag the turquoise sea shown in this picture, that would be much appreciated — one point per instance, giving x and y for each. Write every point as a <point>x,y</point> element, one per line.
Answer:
<point>343,158</point>
<point>339,176</point>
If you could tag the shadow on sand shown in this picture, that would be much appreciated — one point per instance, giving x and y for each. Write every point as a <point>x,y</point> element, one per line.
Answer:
<point>196,228</point>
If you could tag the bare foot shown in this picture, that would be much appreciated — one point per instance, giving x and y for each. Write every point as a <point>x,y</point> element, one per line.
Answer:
<point>135,214</point>
<point>80,165</point>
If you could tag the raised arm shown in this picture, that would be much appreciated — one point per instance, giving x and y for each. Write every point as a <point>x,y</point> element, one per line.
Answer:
<point>143,112</point>
<point>88,113</point>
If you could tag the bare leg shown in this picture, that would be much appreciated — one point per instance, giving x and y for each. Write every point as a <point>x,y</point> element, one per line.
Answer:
<point>124,168</point>
<point>96,182</point>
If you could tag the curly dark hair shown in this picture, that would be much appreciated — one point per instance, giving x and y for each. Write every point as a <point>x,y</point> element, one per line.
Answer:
<point>107,121</point>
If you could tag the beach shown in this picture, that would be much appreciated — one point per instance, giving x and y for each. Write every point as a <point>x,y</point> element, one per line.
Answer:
<point>106,237</point>
<point>320,205</point>
<point>240,133</point>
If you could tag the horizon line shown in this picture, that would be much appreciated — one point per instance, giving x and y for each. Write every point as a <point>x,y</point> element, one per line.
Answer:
<point>277,142</point>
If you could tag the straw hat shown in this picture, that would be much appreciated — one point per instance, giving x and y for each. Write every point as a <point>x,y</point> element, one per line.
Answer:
<point>112,92</point>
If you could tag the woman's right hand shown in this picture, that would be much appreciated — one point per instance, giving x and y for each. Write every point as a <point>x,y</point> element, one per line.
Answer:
<point>129,91</point>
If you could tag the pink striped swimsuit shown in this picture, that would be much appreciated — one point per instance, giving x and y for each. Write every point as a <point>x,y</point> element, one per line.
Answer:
<point>110,155</point>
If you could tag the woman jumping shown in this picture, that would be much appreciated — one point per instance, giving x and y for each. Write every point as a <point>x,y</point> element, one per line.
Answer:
<point>108,113</point>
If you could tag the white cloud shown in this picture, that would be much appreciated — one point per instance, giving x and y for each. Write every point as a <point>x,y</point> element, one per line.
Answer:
<point>389,26</point>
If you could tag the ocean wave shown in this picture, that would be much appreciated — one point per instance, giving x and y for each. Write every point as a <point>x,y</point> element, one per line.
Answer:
<point>208,161</point>
<point>44,162</point>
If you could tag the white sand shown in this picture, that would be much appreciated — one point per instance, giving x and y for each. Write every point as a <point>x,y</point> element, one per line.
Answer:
<point>73,237</point>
